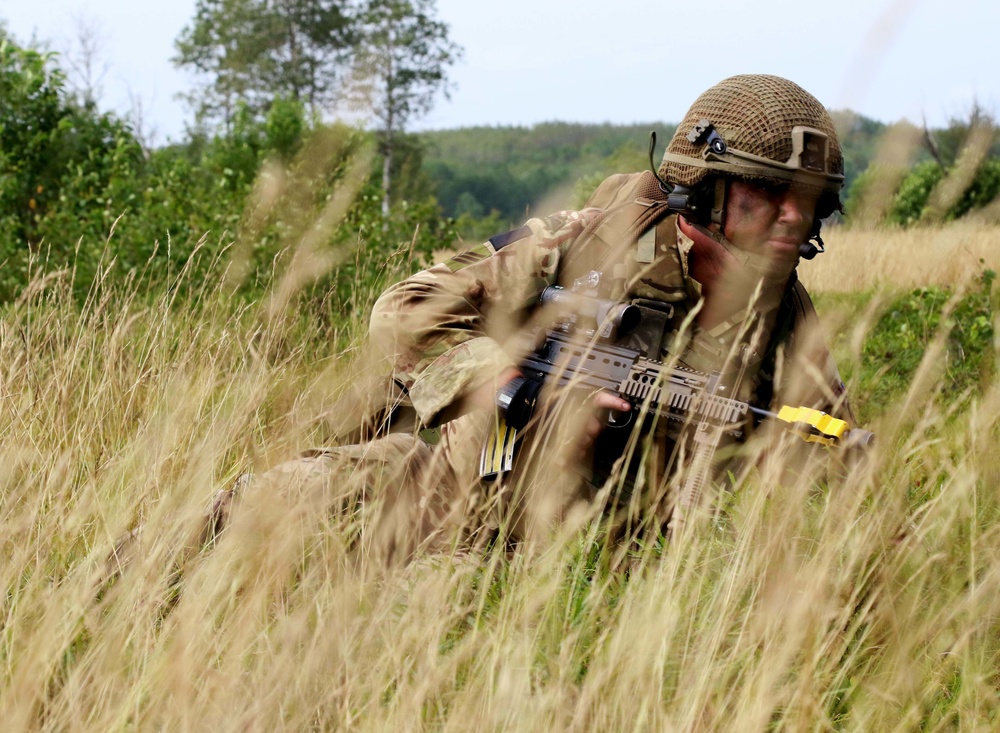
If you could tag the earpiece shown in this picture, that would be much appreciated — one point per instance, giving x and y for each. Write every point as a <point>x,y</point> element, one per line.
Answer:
<point>811,248</point>
<point>828,203</point>
<point>695,203</point>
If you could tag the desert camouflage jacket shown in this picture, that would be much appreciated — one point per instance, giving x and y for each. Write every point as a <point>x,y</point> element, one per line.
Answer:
<point>446,330</point>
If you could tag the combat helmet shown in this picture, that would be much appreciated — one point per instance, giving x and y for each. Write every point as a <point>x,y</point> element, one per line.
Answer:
<point>756,127</point>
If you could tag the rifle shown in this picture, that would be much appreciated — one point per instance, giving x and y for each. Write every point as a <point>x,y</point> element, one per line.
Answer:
<point>577,353</point>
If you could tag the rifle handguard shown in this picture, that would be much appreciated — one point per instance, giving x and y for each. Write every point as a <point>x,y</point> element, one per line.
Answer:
<point>517,400</point>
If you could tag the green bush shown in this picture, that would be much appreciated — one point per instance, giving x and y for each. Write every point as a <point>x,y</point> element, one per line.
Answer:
<point>383,250</point>
<point>914,192</point>
<point>910,201</point>
<point>896,346</point>
<point>984,189</point>
<point>66,172</point>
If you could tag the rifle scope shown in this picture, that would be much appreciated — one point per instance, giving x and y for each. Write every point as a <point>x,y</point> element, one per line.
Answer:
<point>623,317</point>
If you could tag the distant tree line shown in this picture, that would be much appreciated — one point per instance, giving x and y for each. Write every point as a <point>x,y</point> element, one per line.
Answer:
<point>263,170</point>
<point>896,175</point>
<point>922,176</point>
<point>509,171</point>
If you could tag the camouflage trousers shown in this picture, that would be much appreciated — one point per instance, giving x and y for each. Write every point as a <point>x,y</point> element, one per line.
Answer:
<point>389,497</point>
<point>397,496</point>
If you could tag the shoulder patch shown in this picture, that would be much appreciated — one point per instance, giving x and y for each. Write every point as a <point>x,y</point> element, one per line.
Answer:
<point>499,241</point>
<point>470,257</point>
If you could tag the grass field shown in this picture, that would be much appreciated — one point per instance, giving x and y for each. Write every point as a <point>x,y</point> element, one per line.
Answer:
<point>869,601</point>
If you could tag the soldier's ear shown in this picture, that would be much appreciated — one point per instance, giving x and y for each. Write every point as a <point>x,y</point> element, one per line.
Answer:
<point>828,203</point>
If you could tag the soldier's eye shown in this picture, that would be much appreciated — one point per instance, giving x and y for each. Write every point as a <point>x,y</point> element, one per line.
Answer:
<point>772,189</point>
<point>805,195</point>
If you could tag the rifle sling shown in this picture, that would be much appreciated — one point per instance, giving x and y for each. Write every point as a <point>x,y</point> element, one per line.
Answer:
<point>654,327</point>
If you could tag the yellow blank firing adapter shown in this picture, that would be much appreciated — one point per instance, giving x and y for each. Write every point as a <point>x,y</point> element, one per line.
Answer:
<point>813,426</point>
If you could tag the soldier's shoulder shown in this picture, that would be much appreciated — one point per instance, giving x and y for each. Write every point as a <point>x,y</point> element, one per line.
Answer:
<point>562,220</point>
<point>620,188</point>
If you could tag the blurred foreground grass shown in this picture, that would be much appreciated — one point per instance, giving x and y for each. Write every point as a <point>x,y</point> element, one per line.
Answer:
<point>866,602</point>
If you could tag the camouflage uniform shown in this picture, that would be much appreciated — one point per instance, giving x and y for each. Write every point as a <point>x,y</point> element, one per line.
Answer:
<point>447,331</point>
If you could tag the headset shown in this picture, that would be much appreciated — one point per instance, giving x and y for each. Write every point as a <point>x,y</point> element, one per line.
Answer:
<point>705,203</point>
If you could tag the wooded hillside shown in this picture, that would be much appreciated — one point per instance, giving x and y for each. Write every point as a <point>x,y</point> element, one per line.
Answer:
<point>509,170</point>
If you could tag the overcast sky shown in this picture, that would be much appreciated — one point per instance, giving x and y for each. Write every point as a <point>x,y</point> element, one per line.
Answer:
<point>530,61</point>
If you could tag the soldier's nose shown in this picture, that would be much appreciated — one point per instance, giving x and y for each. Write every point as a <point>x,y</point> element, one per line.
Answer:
<point>792,208</point>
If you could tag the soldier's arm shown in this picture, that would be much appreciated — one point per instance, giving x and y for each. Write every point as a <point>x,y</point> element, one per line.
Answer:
<point>439,328</point>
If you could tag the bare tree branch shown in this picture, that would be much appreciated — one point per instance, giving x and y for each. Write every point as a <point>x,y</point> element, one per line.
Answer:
<point>931,144</point>
<point>87,68</point>
<point>145,133</point>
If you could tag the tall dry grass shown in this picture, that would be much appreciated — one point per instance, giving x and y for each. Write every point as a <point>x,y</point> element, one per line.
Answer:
<point>865,259</point>
<point>861,598</point>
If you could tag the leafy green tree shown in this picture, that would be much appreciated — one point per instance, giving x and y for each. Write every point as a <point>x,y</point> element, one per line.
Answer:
<point>253,51</point>
<point>66,171</point>
<point>31,157</point>
<point>960,175</point>
<point>947,144</point>
<point>984,190</point>
<point>401,61</point>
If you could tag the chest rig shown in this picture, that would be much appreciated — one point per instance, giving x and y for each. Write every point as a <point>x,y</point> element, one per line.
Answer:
<point>634,245</point>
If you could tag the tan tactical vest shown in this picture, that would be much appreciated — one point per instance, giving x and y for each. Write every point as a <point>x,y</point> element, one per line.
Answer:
<point>636,215</point>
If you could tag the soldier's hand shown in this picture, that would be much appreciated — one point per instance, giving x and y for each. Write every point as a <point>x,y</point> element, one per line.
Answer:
<point>602,402</point>
<point>484,396</point>
<point>574,420</point>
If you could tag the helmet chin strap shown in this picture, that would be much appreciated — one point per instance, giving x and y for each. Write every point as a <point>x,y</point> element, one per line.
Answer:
<point>719,205</point>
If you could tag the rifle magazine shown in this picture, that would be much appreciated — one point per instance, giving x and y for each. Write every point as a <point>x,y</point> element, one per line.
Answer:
<point>497,455</point>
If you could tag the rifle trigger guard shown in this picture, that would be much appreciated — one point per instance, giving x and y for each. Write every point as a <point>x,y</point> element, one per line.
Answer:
<point>618,420</point>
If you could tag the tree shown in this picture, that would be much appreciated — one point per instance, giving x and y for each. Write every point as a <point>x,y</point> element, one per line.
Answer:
<point>31,157</point>
<point>67,171</point>
<point>946,145</point>
<point>253,51</point>
<point>401,59</point>
<point>83,57</point>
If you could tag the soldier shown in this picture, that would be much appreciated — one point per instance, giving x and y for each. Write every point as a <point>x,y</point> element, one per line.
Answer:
<point>707,247</point>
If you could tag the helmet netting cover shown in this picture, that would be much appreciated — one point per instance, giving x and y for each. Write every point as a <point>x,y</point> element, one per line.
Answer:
<point>754,113</point>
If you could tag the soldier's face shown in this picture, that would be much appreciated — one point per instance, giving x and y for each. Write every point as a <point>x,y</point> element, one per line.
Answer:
<point>769,220</point>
